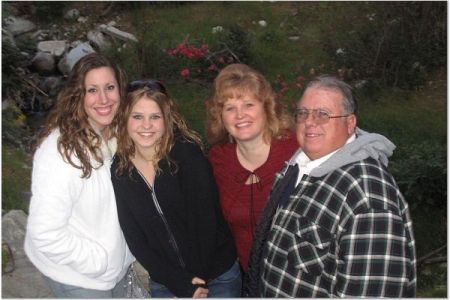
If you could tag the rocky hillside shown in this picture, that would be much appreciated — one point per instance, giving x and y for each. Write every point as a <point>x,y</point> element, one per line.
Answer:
<point>37,55</point>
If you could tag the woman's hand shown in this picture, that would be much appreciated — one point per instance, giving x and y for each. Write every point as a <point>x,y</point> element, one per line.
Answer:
<point>199,292</point>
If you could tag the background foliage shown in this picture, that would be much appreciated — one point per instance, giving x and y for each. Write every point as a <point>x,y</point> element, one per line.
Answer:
<point>393,53</point>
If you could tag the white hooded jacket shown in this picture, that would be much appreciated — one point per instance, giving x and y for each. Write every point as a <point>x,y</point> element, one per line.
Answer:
<point>73,233</point>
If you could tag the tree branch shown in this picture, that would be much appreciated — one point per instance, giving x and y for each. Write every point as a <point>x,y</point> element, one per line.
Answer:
<point>435,260</point>
<point>34,86</point>
<point>426,257</point>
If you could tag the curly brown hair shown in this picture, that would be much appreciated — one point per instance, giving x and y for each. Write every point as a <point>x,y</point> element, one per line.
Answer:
<point>77,137</point>
<point>232,82</point>
<point>175,125</point>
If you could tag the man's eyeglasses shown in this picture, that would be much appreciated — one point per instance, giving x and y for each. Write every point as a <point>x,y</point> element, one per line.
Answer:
<point>320,116</point>
<point>153,85</point>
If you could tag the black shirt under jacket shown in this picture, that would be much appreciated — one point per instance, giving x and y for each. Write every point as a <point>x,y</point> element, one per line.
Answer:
<point>189,199</point>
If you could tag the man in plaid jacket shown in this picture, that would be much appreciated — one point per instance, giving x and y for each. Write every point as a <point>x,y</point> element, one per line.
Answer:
<point>336,224</point>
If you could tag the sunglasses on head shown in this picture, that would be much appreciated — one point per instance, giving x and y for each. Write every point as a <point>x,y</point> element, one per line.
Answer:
<point>153,85</point>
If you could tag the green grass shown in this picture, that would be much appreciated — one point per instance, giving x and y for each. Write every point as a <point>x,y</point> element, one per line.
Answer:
<point>191,101</point>
<point>437,292</point>
<point>406,116</point>
<point>16,174</point>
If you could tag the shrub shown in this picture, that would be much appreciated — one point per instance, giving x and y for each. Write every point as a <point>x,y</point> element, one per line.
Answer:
<point>421,173</point>
<point>15,132</point>
<point>396,44</point>
<point>238,41</point>
<point>11,60</point>
<point>199,62</point>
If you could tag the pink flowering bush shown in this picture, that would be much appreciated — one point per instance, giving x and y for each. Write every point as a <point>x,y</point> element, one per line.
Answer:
<point>192,60</point>
<point>199,63</point>
<point>189,51</point>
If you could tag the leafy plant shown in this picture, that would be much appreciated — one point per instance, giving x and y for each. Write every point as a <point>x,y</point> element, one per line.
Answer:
<point>11,60</point>
<point>421,173</point>
<point>237,40</point>
<point>396,43</point>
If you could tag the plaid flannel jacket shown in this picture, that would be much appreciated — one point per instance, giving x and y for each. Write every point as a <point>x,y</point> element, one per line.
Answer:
<point>346,234</point>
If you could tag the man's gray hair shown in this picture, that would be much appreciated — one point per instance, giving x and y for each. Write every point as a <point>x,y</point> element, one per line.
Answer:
<point>349,104</point>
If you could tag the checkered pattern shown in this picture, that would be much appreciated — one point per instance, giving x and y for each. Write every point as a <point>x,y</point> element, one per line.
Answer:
<point>346,234</point>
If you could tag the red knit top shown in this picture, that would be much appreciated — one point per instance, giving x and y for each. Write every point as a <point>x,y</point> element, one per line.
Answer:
<point>242,204</point>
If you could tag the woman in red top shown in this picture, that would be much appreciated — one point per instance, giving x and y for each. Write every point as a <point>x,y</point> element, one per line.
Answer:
<point>251,138</point>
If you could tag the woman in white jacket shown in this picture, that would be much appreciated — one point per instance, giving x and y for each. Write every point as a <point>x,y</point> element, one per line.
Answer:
<point>73,233</point>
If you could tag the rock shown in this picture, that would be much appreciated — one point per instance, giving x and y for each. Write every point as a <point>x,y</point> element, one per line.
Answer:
<point>17,25</point>
<point>56,48</point>
<point>66,64</point>
<point>112,23</point>
<point>99,39</point>
<point>72,14</point>
<point>25,281</point>
<point>75,44</point>
<point>82,19</point>
<point>39,35</point>
<point>7,37</point>
<point>6,103</point>
<point>51,85</point>
<point>43,62</point>
<point>262,23</point>
<point>122,35</point>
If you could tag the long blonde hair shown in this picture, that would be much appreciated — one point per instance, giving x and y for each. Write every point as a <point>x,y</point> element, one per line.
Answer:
<point>175,125</point>
<point>77,137</point>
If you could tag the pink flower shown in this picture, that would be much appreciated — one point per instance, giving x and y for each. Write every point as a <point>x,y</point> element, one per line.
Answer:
<point>189,54</point>
<point>199,54</point>
<point>184,72</point>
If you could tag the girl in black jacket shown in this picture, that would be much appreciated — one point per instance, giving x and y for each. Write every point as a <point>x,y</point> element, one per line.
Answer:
<point>167,200</point>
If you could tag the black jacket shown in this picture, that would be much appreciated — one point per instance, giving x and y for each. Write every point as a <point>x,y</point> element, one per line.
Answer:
<point>189,199</point>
